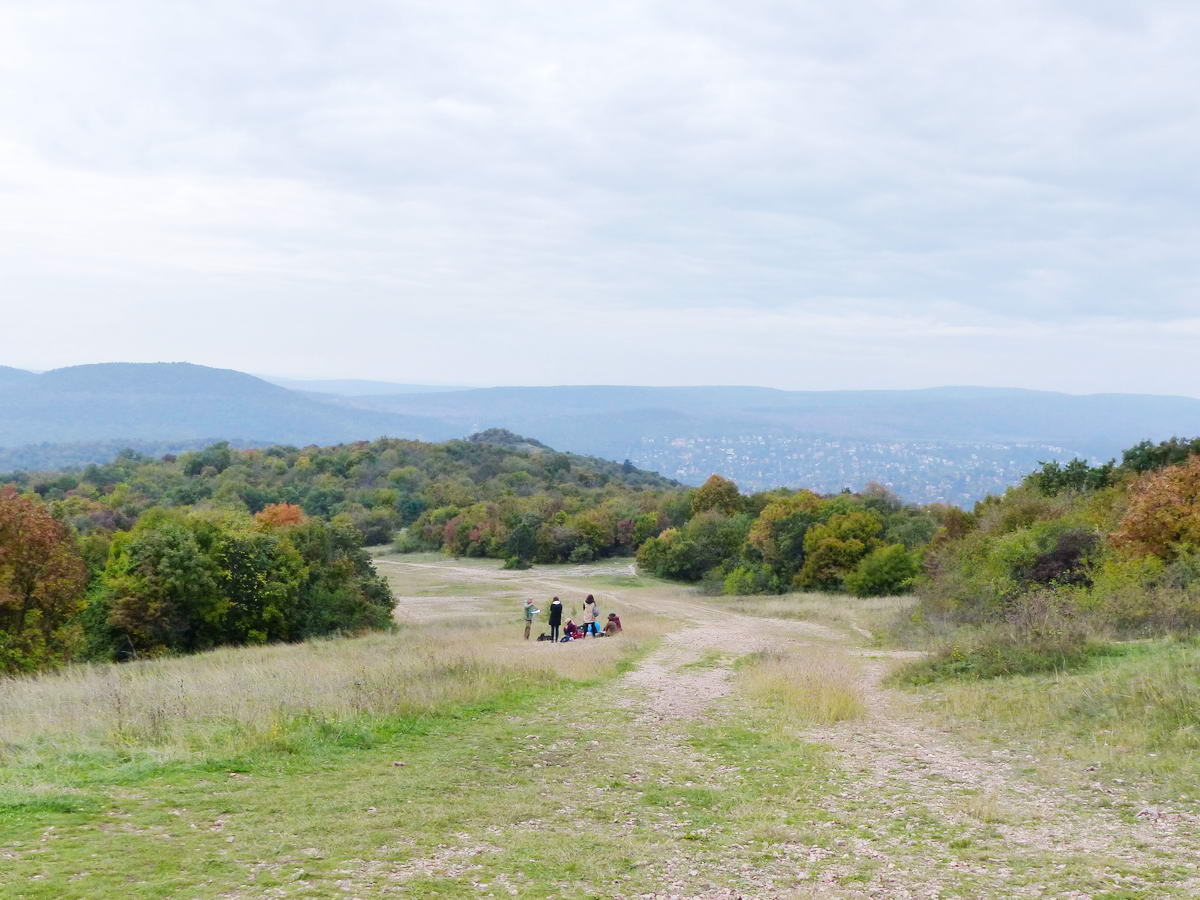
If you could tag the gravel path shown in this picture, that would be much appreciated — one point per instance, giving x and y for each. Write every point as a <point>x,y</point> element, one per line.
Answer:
<point>921,812</point>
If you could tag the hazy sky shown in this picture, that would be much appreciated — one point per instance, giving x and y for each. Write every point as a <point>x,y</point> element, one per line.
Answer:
<point>874,193</point>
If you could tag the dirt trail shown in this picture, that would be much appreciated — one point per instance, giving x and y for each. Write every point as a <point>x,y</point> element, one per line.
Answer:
<point>903,779</point>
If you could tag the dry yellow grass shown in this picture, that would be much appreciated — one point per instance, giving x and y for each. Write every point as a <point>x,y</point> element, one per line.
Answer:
<point>811,685</point>
<point>863,615</point>
<point>186,703</point>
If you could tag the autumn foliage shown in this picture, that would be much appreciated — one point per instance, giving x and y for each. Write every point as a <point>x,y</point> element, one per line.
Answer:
<point>279,515</point>
<point>719,494</point>
<point>42,580</point>
<point>1114,547</point>
<point>1163,515</point>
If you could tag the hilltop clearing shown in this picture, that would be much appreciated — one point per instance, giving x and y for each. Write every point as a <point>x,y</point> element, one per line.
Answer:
<point>712,754</point>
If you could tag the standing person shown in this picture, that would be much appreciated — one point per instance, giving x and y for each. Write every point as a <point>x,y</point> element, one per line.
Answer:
<point>555,619</point>
<point>530,612</point>
<point>590,614</point>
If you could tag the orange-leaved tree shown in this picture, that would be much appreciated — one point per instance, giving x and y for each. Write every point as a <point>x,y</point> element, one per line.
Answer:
<point>1163,516</point>
<point>42,584</point>
<point>279,515</point>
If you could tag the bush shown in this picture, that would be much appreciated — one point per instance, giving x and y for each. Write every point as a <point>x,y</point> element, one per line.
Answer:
<point>883,573</point>
<point>752,579</point>
<point>1066,562</point>
<point>1039,636</point>
<point>998,655</point>
<point>410,541</point>
<point>690,552</point>
<point>1164,512</point>
<point>835,547</point>
<point>1143,596</point>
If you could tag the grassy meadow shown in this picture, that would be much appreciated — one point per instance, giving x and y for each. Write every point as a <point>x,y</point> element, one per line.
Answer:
<point>720,747</point>
<point>177,748</point>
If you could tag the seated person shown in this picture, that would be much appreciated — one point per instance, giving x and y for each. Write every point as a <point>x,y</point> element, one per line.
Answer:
<point>571,631</point>
<point>613,625</point>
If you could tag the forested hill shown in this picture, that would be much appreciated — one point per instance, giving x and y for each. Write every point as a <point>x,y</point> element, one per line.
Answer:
<point>157,402</point>
<point>379,486</point>
<point>954,444</point>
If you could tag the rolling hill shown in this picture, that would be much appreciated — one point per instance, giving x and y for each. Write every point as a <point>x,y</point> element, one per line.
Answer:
<point>181,402</point>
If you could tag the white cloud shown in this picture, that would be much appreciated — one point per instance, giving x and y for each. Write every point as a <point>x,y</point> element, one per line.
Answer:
<point>666,192</point>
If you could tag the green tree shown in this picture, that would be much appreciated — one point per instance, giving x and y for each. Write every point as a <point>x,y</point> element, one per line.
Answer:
<point>883,572</point>
<point>645,527</point>
<point>163,585</point>
<point>777,535</point>
<point>833,548</point>
<point>341,591</point>
<point>719,494</point>
<point>521,544</point>
<point>259,577</point>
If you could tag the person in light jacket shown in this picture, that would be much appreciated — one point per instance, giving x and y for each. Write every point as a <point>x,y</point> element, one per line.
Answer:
<point>591,613</point>
<point>530,612</point>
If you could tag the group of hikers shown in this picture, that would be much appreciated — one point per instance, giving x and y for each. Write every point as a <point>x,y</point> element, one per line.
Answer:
<point>561,634</point>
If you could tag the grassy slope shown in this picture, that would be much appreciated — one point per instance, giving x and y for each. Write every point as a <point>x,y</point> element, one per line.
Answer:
<point>254,791</point>
<point>1132,718</point>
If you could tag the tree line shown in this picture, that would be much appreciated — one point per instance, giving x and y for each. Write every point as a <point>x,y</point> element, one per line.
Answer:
<point>180,553</point>
<point>179,580</point>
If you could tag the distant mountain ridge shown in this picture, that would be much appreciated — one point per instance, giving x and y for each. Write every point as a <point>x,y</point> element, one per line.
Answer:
<point>358,387</point>
<point>950,443</point>
<point>181,401</point>
<point>9,375</point>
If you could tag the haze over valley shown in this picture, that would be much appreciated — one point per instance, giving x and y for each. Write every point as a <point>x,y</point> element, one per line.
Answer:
<point>947,444</point>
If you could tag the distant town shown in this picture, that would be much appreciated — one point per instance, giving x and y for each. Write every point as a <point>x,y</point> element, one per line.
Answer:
<point>918,471</point>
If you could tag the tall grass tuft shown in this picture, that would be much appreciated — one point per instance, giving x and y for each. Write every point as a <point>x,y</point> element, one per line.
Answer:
<point>808,685</point>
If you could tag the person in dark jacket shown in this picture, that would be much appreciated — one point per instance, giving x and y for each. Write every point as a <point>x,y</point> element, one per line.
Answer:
<point>555,618</point>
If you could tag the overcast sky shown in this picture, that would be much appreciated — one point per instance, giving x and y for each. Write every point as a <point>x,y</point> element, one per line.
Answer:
<point>874,193</point>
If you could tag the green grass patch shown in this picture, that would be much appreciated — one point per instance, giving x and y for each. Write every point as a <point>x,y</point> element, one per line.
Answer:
<point>288,811</point>
<point>1132,713</point>
<point>709,659</point>
<point>985,654</point>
